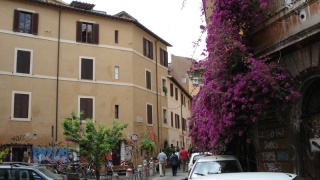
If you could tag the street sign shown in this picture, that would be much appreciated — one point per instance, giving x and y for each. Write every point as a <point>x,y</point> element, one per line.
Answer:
<point>314,144</point>
<point>134,137</point>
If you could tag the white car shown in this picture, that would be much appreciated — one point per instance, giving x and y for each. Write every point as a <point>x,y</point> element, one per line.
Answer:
<point>214,164</point>
<point>251,176</point>
<point>195,156</point>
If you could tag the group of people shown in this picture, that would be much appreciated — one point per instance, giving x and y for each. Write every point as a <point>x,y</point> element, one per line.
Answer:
<point>177,157</point>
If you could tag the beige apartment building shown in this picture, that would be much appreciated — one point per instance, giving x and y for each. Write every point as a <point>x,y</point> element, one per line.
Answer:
<point>56,58</point>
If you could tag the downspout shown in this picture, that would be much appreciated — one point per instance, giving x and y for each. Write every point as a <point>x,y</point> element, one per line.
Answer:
<point>57,81</point>
<point>157,91</point>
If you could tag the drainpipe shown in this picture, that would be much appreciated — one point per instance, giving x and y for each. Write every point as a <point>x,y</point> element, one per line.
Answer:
<point>57,81</point>
<point>157,91</point>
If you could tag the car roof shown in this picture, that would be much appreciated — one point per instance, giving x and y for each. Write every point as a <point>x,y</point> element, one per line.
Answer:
<point>217,158</point>
<point>248,176</point>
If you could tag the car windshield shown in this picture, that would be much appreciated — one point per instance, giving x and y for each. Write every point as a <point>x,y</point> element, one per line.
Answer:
<point>215,167</point>
<point>48,173</point>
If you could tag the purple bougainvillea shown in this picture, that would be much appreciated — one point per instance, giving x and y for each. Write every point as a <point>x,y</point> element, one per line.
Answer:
<point>237,87</point>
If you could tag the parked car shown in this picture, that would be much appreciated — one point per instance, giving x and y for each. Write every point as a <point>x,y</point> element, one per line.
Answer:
<point>215,164</point>
<point>251,176</point>
<point>195,156</point>
<point>12,172</point>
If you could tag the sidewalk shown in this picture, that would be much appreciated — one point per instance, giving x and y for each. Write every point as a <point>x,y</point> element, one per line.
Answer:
<point>180,175</point>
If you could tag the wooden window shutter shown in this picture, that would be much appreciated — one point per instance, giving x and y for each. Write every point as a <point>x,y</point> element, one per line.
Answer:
<point>23,62</point>
<point>87,69</point>
<point>21,105</point>
<point>78,33</point>
<point>149,112</point>
<point>35,24</point>
<point>165,58</point>
<point>16,17</point>
<point>86,106</point>
<point>95,29</point>
<point>151,50</point>
<point>148,79</point>
<point>171,89</point>
<point>171,119</point>
<point>144,46</point>
<point>161,57</point>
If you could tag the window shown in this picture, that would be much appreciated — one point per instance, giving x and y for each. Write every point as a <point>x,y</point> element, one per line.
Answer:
<point>87,32</point>
<point>184,124</point>
<point>177,121</point>
<point>164,86</point>
<point>171,119</point>
<point>176,93</point>
<point>116,36</point>
<point>116,72</point>
<point>25,22</point>
<point>149,114</point>
<point>23,61</point>
<point>87,69</point>
<point>116,111</point>
<point>171,89</point>
<point>147,48</point>
<point>148,79</point>
<point>21,106</point>
<point>164,114</point>
<point>86,107</point>
<point>163,57</point>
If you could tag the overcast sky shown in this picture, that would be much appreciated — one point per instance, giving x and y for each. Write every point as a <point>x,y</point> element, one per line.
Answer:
<point>176,21</point>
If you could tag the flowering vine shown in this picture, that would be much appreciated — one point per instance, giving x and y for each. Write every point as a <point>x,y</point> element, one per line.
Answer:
<point>237,87</point>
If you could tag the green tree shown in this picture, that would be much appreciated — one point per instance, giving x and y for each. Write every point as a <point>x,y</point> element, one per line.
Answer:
<point>95,140</point>
<point>147,146</point>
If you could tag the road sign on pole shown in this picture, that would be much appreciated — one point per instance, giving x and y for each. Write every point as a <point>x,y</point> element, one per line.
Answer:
<point>134,137</point>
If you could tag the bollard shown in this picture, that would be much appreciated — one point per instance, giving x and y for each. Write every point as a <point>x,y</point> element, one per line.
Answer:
<point>115,176</point>
<point>151,169</point>
<point>129,172</point>
<point>140,171</point>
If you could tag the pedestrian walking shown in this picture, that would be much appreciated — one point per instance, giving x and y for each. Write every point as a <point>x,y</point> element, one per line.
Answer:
<point>162,158</point>
<point>174,161</point>
<point>178,154</point>
<point>184,156</point>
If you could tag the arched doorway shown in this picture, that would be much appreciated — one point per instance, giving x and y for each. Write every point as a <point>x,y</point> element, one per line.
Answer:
<point>310,128</point>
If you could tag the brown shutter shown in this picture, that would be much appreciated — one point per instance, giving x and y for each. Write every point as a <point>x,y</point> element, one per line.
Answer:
<point>144,46</point>
<point>171,119</point>
<point>161,57</point>
<point>95,30</point>
<point>35,22</point>
<point>171,89</point>
<point>87,69</point>
<point>79,30</point>
<point>148,79</point>
<point>165,58</point>
<point>151,50</point>
<point>21,105</point>
<point>16,20</point>
<point>23,62</point>
<point>149,112</point>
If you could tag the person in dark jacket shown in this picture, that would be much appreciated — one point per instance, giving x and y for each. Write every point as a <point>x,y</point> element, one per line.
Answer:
<point>174,162</point>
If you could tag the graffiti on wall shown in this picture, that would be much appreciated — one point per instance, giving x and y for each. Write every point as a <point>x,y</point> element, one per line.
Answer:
<point>23,137</point>
<point>49,155</point>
